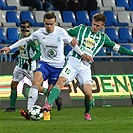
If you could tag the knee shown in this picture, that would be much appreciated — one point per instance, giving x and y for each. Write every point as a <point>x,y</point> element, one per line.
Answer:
<point>40,89</point>
<point>34,83</point>
<point>88,93</point>
<point>61,81</point>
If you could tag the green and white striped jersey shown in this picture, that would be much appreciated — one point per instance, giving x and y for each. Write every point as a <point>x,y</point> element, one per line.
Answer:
<point>90,43</point>
<point>29,50</point>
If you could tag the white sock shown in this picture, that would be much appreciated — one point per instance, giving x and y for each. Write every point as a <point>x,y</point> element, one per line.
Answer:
<point>32,96</point>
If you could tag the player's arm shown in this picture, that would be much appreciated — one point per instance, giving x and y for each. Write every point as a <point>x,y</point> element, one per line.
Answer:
<point>74,31</point>
<point>79,52</point>
<point>74,44</point>
<point>15,45</point>
<point>122,50</point>
<point>116,47</point>
<point>36,47</point>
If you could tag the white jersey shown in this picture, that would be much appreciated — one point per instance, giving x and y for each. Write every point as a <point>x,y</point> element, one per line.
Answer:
<point>52,45</point>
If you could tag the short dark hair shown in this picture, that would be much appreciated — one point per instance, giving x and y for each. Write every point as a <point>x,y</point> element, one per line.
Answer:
<point>49,15</point>
<point>26,22</point>
<point>99,17</point>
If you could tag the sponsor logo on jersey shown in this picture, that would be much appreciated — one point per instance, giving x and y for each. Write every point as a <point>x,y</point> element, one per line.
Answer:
<point>21,49</point>
<point>89,42</point>
<point>51,46</point>
<point>52,53</point>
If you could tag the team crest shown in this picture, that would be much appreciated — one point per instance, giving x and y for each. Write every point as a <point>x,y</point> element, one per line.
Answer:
<point>58,39</point>
<point>89,42</point>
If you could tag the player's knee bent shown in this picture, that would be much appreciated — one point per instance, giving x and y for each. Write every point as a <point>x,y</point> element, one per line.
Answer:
<point>88,94</point>
<point>61,81</point>
<point>36,83</point>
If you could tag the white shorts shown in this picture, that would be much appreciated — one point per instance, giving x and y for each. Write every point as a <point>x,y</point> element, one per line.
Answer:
<point>19,74</point>
<point>75,68</point>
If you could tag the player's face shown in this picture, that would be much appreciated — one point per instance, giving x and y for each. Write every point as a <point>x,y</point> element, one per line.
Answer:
<point>96,26</point>
<point>50,24</point>
<point>25,29</point>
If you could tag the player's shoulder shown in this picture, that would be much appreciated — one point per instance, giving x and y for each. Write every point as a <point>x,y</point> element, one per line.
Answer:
<point>41,29</point>
<point>80,26</point>
<point>60,29</point>
<point>102,33</point>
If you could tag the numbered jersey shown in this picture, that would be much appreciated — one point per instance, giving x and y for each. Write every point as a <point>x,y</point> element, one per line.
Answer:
<point>90,43</point>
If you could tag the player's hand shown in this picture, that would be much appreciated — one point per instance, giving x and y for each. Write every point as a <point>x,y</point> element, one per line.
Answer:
<point>87,58</point>
<point>74,42</point>
<point>5,50</point>
<point>15,54</point>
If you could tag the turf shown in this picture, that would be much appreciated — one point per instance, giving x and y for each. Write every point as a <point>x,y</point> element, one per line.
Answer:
<point>71,120</point>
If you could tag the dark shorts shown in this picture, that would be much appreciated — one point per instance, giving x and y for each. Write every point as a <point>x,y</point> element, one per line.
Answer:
<point>48,72</point>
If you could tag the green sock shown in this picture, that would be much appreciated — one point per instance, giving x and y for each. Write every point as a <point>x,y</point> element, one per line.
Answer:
<point>54,93</point>
<point>45,91</point>
<point>13,98</point>
<point>88,105</point>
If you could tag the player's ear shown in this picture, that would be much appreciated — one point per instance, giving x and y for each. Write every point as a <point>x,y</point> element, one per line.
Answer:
<point>103,25</point>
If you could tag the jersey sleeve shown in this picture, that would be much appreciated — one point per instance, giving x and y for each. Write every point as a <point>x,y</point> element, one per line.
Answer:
<point>21,42</point>
<point>108,42</point>
<point>36,47</point>
<point>74,31</point>
<point>65,36</point>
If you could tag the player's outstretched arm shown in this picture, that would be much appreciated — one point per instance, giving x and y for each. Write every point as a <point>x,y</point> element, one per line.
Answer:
<point>125,51</point>
<point>15,45</point>
<point>122,50</point>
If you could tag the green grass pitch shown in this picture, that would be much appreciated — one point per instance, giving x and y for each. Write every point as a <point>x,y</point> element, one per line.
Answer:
<point>71,120</point>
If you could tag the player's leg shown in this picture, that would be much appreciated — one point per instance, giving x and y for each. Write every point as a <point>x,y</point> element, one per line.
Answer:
<point>58,101</point>
<point>84,78</point>
<point>13,97</point>
<point>36,86</point>
<point>54,93</point>
<point>67,74</point>
<point>17,76</point>
<point>40,75</point>
<point>88,101</point>
<point>33,93</point>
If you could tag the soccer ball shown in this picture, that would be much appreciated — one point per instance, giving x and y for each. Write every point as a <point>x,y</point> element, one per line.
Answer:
<point>35,113</point>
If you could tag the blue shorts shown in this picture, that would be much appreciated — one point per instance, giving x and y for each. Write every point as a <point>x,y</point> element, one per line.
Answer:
<point>48,72</point>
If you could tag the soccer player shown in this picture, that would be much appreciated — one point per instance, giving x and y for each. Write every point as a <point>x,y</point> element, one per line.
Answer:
<point>91,40</point>
<point>26,65</point>
<point>52,58</point>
